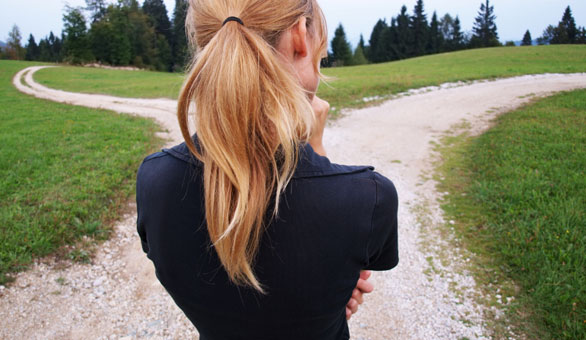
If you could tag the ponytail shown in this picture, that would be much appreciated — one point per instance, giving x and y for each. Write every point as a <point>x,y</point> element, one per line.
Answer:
<point>250,116</point>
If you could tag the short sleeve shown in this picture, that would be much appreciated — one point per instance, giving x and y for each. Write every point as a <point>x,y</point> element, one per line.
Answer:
<point>382,247</point>
<point>145,179</point>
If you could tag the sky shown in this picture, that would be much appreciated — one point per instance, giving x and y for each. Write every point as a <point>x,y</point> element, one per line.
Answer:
<point>514,17</point>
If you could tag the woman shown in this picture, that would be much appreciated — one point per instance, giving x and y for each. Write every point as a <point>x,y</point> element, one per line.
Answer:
<point>252,232</point>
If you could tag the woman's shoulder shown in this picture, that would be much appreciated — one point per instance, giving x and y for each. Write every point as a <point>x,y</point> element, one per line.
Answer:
<point>168,169</point>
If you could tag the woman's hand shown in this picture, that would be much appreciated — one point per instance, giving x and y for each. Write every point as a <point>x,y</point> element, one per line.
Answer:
<point>321,109</point>
<point>362,287</point>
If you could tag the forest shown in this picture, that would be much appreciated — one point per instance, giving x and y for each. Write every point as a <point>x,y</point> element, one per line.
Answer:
<point>124,33</point>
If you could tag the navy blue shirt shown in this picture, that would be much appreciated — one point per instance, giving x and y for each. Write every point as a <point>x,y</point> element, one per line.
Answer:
<point>333,221</point>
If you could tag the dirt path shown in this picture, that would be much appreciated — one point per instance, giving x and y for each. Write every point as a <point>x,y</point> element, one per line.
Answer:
<point>118,296</point>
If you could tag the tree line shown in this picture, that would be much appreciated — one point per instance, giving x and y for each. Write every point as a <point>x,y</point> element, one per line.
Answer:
<point>124,33</point>
<point>412,35</point>
<point>119,34</point>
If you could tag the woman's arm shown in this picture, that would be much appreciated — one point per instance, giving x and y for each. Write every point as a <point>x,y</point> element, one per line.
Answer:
<point>321,109</point>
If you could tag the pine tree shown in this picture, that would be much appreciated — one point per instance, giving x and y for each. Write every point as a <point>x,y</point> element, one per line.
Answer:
<point>485,30</point>
<point>341,48</point>
<point>394,41</point>
<point>566,32</point>
<point>157,11</point>
<point>419,29</point>
<point>436,38</point>
<point>446,25</point>
<point>32,49</point>
<point>361,42</point>
<point>386,51</point>
<point>77,47</point>
<point>581,39</point>
<point>143,39</point>
<point>180,48</point>
<point>374,53</point>
<point>457,39</point>
<point>358,58</point>
<point>14,49</point>
<point>527,40</point>
<point>44,50</point>
<point>56,46</point>
<point>404,37</point>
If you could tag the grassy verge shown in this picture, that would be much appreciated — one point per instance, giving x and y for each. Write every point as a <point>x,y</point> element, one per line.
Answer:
<point>352,84</point>
<point>121,83</point>
<point>65,171</point>
<point>518,196</point>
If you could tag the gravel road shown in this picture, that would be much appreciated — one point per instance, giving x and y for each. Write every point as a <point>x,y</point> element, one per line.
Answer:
<point>430,295</point>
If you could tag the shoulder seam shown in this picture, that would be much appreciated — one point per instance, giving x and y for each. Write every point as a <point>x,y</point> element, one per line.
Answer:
<point>155,155</point>
<point>367,260</point>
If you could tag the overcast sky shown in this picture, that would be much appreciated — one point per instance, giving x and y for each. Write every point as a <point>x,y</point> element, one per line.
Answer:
<point>514,17</point>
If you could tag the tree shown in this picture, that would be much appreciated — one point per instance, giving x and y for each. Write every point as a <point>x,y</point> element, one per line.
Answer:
<point>14,49</point>
<point>547,36</point>
<point>143,39</point>
<point>341,48</point>
<point>436,39</point>
<point>358,58</point>
<point>581,39</point>
<point>485,30</point>
<point>32,49</point>
<point>180,48</point>
<point>375,50</point>
<point>77,47</point>
<point>527,40</point>
<point>361,42</point>
<point>458,40</point>
<point>446,26</point>
<point>404,37</point>
<point>157,11</point>
<point>388,42</point>
<point>97,9</point>
<point>566,32</point>
<point>44,50</point>
<point>420,30</point>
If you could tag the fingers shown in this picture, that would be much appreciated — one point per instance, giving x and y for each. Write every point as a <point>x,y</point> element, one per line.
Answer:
<point>363,285</point>
<point>358,296</point>
<point>365,274</point>
<point>351,308</point>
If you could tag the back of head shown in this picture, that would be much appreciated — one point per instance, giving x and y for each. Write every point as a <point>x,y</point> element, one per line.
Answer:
<point>251,114</point>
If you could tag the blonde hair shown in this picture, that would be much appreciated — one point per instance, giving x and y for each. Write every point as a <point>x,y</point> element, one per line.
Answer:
<point>251,115</point>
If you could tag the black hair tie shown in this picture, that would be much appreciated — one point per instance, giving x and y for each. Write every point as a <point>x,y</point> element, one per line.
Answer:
<point>238,20</point>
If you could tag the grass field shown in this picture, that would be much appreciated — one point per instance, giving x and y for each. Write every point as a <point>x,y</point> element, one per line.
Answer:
<point>518,194</point>
<point>353,83</point>
<point>65,171</point>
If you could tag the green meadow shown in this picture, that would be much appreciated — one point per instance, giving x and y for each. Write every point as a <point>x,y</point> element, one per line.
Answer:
<point>518,196</point>
<point>65,172</point>
<point>350,84</point>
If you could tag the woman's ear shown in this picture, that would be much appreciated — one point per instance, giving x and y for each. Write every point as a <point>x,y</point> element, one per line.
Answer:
<point>299,35</point>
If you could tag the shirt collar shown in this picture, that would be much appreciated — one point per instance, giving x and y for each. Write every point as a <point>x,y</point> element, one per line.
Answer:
<point>310,164</point>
